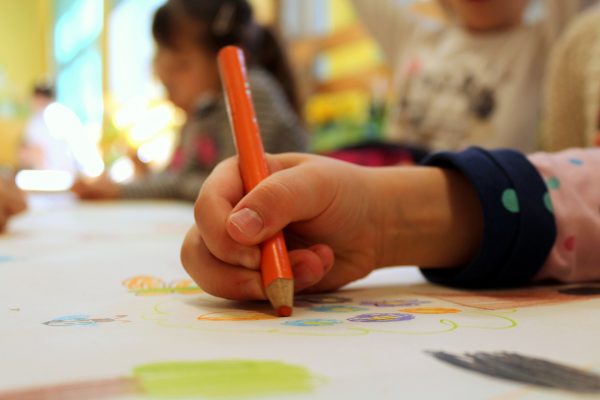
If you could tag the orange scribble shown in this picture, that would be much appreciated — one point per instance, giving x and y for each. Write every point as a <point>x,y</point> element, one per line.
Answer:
<point>430,310</point>
<point>236,315</point>
<point>143,282</point>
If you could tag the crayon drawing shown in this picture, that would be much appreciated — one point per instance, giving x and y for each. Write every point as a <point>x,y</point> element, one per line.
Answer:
<point>83,320</point>
<point>358,315</point>
<point>148,285</point>
<point>213,379</point>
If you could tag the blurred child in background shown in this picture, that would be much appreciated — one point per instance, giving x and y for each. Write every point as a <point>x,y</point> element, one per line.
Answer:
<point>572,98</point>
<point>189,34</point>
<point>45,147</point>
<point>475,79</point>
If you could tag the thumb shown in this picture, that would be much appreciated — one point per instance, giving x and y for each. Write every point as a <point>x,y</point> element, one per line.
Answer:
<point>290,195</point>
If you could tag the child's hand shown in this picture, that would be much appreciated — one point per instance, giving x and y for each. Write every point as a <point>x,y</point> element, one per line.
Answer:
<point>12,201</point>
<point>332,218</point>
<point>341,221</point>
<point>99,189</point>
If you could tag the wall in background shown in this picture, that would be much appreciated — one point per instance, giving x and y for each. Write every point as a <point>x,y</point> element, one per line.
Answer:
<point>24,43</point>
<point>24,59</point>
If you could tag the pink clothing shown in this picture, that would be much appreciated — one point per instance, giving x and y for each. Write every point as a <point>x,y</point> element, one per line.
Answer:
<point>573,180</point>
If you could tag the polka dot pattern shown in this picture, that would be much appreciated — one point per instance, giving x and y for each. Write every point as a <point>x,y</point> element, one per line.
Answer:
<point>510,201</point>
<point>553,183</point>
<point>569,243</point>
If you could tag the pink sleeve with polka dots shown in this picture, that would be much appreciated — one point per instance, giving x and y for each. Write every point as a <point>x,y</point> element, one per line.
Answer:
<point>573,180</point>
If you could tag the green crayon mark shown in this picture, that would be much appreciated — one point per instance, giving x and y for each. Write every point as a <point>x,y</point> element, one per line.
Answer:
<point>223,378</point>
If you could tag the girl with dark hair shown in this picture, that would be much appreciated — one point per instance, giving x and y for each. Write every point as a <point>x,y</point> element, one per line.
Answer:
<point>189,34</point>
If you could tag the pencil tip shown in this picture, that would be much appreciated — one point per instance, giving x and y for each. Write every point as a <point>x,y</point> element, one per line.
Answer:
<point>284,311</point>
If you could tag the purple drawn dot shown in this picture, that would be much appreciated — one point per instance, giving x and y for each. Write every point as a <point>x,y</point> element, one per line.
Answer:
<point>382,317</point>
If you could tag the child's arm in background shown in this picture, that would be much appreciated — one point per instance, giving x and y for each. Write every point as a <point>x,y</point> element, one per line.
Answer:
<point>391,25</point>
<point>559,13</point>
<point>165,185</point>
<point>12,201</point>
<point>161,185</point>
<point>572,86</point>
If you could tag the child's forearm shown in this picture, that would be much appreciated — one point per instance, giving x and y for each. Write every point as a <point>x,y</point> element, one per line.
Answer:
<point>434,213</point>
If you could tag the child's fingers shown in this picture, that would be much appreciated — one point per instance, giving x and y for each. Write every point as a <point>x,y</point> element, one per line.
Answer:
<point>220,192</point>
<point>16,202</point>
<point>223,280</point>
<point>334,280</point>
<point>289,195</point>
<point>310,265</point>
<point>3,218</point>
<point>216,277</point>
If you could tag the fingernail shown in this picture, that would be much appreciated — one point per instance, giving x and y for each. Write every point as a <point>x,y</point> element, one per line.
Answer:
<point>247,221</point>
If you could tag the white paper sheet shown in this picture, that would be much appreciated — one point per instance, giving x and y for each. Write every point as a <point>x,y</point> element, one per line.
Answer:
<point>90,292</point>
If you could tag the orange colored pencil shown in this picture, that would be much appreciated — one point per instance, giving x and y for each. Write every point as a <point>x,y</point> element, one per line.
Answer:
<point>275,265</point>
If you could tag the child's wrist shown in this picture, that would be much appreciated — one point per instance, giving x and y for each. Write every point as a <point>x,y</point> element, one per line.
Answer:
<point>429,217</point>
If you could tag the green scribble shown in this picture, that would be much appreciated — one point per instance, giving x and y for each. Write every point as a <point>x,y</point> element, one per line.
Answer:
<point>223,378</point>
<point>510,323</point>
<point>450,327</point>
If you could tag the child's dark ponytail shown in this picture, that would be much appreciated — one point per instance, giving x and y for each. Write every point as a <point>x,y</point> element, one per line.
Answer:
<point>218,23</point>
<point>269,54</point>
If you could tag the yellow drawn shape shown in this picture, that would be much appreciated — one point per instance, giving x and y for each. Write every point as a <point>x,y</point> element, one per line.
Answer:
<point>383,318</point>
<point>143,282</point>
<point>183,284</point>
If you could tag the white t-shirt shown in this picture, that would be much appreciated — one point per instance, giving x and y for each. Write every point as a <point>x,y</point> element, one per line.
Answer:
<point>55,151</point>
<point>454,88</point>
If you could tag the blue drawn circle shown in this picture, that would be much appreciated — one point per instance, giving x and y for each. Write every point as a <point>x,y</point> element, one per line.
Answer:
<point>71,320</point>
<point>315,322</point>
<point>382,317</point>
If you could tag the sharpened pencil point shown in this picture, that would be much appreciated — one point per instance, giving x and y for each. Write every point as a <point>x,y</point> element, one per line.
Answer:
<point>284,311</point>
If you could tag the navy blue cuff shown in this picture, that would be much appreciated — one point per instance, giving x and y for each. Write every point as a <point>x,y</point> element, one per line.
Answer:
<point>519,225</point>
